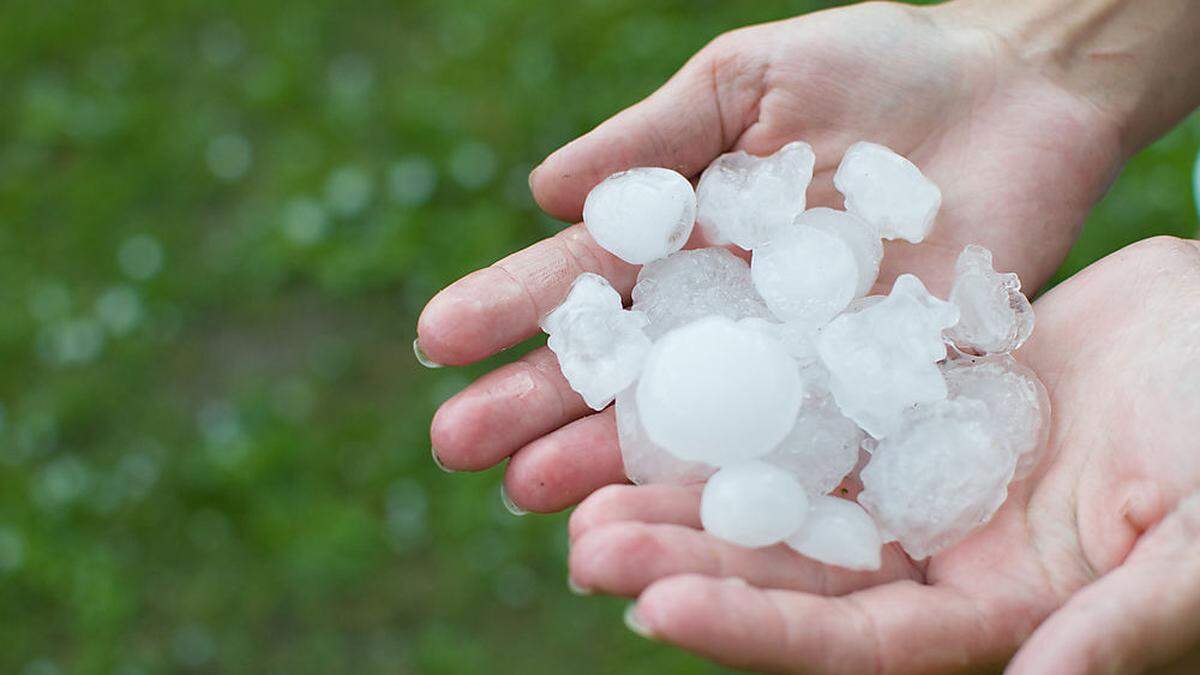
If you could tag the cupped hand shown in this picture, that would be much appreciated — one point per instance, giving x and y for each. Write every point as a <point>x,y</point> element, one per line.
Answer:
<point>1093,562</point>
<point>1019,159</point>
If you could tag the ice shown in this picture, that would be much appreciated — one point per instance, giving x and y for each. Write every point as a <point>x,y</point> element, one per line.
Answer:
<point>882,359</point>
<point>823,446</point>
<point>838,532</point>
<point>745,199</point>
<point>888,191</point>
<point>690,285</point>
<point>1018,403</point>
<point>752,504</point>
<point>812,269</point>
<point>716,392</point>
<point>798,338</point>
<point>940,477</point>
<point>646,462</point>
<point>600,346</point>
<point>641,214</point>
<point>996,316</point>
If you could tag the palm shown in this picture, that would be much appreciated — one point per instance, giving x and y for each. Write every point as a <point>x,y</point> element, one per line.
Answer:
<point>969,114</point>
<point>1121,458</point>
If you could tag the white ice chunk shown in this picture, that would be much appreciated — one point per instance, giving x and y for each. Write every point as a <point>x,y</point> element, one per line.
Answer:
<point>600,346</point>
<point>996,315</point>
<point>745,199</point>
<point>641,214</point>
<point>752,504</point>
<point>797,337</point>
<point>888,191</point>
<point>882,358</point>
<point>838,532</point>
<point>719,393</point>
<point>1018,403</point>
<point>940,477</point>
<point>689,285</point>
<point>812,269</point>
<point>645,461</point>
<point>823,446</point>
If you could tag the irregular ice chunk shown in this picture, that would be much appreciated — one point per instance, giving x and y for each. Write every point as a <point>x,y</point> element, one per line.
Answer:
<point>823,446</point>
<point>996,316</point>
<point>1019,404</point>
<point>882,358</point>
<point>745,199</point>
<point>646,462</point>
<point>641,214</point>
<point>943,475</point>
<point>719,393</point>
<point>689,285</point>
<point>752,504</point>
<point>810,271</point>
<point>888,191</point>
<point>600,346</point>
<point>838,532</point>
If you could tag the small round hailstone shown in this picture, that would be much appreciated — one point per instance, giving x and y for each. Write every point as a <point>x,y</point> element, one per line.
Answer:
<point>752,504</point>
<point>812,270</point>
<point>719,393</point>
<point>641,214</point>
<point>838,532</point>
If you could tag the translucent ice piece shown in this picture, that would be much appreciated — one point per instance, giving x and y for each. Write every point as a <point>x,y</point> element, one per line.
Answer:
<point>940,477</point>
<point>838,532</point>
<point>996,316</point>
<point>1016,399</point>
<point>690,285</point>
<point>882,358</point>
<point>822,448</point>
<point>746,199</point>
<point>641,214</point>
<point>600,346</point>
<point>719,393</point>
<point>888,191</point>
<point>813,269</point>
<point>752,504</point>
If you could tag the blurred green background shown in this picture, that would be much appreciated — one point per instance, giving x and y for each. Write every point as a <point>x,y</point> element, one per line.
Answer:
<point>218,223</point>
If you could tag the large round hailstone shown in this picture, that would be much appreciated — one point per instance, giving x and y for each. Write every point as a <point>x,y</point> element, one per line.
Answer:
<point>719,393</point>
<point>811,272</point>
<point>641,214</point>
<point>752,504</point>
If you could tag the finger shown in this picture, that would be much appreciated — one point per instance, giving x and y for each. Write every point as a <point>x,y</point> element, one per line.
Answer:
<point>625,558</point>
<point>561,468</point>
<point>668,504</point>
<point>503,411</point>
<point>691,119</point>
<point>1143,614</point>
<point>900,627</point>
<point>496,307</point>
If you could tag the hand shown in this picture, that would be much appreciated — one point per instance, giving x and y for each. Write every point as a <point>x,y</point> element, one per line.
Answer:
<point>1093,562</point>
<point>1020,160</point>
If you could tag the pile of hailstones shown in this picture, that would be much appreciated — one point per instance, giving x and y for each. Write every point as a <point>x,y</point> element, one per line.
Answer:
<point>782,382</point>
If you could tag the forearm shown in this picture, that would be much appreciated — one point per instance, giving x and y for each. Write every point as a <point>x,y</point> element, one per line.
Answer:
<point>1137,61</point>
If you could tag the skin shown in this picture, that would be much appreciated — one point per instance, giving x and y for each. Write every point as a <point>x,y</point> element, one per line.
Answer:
<point>1023,117</point>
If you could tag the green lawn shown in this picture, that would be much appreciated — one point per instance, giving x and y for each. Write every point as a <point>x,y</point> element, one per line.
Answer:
<point>218,223</point>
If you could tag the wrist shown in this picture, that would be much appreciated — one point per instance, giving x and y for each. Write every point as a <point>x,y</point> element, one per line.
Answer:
<point>1135,63</point>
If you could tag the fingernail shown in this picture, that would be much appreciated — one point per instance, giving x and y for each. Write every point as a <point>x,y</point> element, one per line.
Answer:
<point>634,624</point>
<point>509,504</point>
<point>438,460</point>
<point>532,174</point>
<point>422,358</point>
<point>576,589</point>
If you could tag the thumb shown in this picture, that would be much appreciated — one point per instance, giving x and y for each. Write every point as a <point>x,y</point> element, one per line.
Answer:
<point>691,119</point>
<point>1143,614</point>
